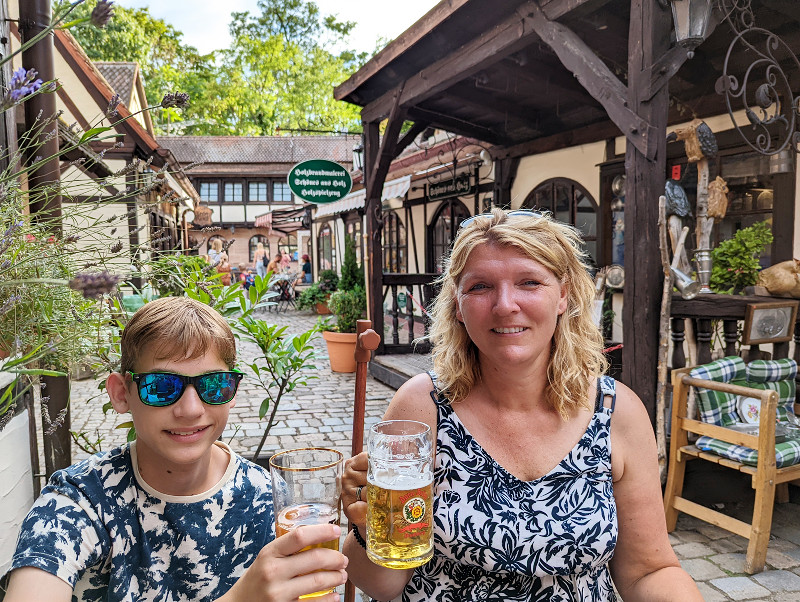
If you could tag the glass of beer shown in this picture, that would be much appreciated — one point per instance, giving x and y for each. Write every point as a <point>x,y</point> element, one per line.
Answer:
<point>400,494</point>
<point>306,490</point>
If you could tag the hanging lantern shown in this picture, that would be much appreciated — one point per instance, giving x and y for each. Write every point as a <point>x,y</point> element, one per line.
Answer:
<point>691,19</point>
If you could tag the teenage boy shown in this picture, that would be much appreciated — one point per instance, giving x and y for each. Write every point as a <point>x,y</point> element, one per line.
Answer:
<point>175,515</point>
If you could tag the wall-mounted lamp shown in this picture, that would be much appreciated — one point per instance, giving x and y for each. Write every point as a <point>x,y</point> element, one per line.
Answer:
<point>691,19</point>
<point>358,157</point>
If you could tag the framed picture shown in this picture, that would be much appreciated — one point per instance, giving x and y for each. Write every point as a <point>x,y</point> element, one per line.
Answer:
<point>769,322</point>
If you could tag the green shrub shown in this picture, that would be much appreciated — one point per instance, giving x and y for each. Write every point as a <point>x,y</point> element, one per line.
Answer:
<point>311,296</point>
<point>735,261</point>
<point>348,306</point>
<point>352,274</point>
<point>328,281</point>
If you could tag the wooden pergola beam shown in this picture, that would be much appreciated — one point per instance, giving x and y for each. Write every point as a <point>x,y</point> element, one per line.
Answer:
<point>510,35</point>
<point>597,78</point>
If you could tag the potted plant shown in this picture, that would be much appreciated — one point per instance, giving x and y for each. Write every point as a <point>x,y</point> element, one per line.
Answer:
<point>735,261</point>
<point>316,296</point>
<point>348,304</point>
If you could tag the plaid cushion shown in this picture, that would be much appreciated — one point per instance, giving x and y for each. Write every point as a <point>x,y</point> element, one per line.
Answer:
<point>765,371</point>
<point>786,393</point>
<point>717,407</point>
<point>787,453</point>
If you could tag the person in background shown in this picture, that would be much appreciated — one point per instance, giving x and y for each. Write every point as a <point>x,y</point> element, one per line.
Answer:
<point>260,260</point>
<point>175,514</point>
<point>306,269</point>
<point>224,269</point>
<point>275,263</point>
<point>546,483</point>
<point>286,261</point>
<point>215,252</point>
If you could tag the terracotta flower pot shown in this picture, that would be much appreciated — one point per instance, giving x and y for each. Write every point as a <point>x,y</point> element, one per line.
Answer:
<point>341,350</point>
<point>322,309</point>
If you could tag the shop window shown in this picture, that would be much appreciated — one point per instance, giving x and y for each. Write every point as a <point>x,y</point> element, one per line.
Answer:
<point>288,246</point>
<point>442,232</point>
<point>571,204</point>
<point>258,192</point>
<point>253,245</point>
<point>750,197</point>
<point>234,192</point>
<point>393,240</point>
<point>326,248</point>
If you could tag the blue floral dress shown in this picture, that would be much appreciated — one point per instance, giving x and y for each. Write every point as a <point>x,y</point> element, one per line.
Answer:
<point>497,538</point>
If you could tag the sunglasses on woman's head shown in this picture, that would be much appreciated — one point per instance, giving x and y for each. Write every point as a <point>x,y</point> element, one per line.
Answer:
<point>515,213</point>
<point>160,389</point>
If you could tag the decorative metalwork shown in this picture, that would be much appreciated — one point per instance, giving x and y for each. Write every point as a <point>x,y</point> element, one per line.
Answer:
<point>763,90</point>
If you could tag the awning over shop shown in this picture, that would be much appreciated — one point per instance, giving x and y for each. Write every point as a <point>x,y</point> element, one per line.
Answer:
<point>284,221</point>
<point>355,200</point>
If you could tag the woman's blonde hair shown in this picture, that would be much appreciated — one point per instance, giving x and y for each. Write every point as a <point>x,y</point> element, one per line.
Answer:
<point>577,349</point>
<point>216,244</point>
<point>176,328</point>
<point>260,246</point>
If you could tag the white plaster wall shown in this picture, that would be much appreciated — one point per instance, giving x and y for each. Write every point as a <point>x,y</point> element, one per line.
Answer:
<point>16,485</point>
<point>579,163</point>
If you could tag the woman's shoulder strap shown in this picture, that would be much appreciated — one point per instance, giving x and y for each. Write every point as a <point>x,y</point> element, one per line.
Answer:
<point>606,387</point>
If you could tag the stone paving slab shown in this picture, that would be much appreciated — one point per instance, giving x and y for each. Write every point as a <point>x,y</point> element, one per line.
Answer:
<point>320,414</point>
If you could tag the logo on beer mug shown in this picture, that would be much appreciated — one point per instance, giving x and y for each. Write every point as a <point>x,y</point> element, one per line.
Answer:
<point>414,510</point>
<point>399,494</point>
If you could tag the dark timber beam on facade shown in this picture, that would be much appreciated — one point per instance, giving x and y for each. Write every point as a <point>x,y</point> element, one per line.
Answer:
<point>509,36</point>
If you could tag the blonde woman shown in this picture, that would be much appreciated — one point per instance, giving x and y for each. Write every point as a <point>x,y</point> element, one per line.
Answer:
<point>546,477</point>
<point>260,260</point>
<point>215,252</point>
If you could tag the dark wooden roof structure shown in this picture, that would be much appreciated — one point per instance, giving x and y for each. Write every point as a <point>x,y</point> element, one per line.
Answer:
<point>532,76</point>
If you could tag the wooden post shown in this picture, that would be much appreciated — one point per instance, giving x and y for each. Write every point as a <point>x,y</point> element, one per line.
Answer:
<point>374,280</point>
<point>648,37</point>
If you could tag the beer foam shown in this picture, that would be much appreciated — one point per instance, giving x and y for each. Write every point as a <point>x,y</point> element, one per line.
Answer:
<point>399,482</point>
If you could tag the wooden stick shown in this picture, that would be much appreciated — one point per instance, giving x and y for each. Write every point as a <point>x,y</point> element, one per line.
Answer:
<point>367,341</point>
<point>663,342</point>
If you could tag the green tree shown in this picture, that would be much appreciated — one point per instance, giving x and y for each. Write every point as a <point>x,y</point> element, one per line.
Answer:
<point>278,74</point>
<point>168,64</point>
<point>282,67</point>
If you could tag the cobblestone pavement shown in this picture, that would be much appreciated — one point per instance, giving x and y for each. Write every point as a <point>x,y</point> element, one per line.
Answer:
<point>320,414</point>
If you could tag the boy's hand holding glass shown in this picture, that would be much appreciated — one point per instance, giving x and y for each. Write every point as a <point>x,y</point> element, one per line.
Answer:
<point>306,490</point>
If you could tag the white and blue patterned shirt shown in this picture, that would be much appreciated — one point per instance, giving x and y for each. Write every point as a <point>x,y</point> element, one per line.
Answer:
<point>500,539</point>
<point>102,529</point>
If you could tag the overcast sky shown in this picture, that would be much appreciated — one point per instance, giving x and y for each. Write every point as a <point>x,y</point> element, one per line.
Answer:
<point>204,23</point>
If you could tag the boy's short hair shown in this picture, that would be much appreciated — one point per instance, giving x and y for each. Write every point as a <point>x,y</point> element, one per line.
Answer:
<point>176,327</point>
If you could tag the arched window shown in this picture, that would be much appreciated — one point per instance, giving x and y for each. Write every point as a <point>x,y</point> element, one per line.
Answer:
<point>572,204</point>
<point>326,247</point>
<point>253,244</point>
<point>393,240</point>
<point>442,231</point>
<point>288,246</point>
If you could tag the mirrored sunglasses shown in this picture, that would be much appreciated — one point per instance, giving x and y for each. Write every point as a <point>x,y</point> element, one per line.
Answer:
<point>515,213</point>
<point>160,389</point>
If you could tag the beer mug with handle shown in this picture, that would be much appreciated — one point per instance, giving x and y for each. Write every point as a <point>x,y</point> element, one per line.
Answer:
<point>400,494</point>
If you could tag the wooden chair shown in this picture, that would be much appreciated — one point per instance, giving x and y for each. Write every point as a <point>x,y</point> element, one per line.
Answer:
<point>765,474</point>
